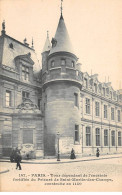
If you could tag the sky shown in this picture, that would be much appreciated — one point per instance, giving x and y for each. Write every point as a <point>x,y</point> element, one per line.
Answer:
<point>94,27</point>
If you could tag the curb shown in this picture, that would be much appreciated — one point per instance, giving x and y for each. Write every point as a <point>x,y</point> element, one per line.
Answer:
<point>4,171</point>
<point>59,162</point>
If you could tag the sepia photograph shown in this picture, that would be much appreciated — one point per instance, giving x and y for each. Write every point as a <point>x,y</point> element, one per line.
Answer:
<point>60,96</point>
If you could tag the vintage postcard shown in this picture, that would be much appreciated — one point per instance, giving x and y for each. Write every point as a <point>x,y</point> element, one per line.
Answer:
<point>60,96</point>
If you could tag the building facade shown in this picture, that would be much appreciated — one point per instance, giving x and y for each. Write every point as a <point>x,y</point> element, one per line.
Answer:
<point>42,107</point>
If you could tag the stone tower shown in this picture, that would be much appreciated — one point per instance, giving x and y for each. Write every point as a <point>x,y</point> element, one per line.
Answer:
<point>61,94</point>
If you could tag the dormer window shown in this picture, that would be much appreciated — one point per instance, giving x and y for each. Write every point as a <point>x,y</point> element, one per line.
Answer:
<point>85,83</point>
<point>63,62</point>
<point>11,46</point>
<point>95,87</point>
<point>111,95</point>
<point>25,73</point>
<point>103,91</point>
<point>73,64</point>
<point>52,63</point>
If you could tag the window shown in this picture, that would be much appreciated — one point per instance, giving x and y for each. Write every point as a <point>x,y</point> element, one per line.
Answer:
<point>85,83</point>
<point>39,106</point>
<point>27,136</point>
<point>105,111</point>
<point>119,116</point>
<point>63,62</point>
<point>25,73</point>
<point>88,136</point>
<point>76,99</point>
<point>11,46</point>
<point>103,91</point>
<point>76,133</point>
<point>25,95</point>
<point>105,137</point>
<point>73,64</point>
<point>97,108</point>
<point>95,87</point>
<point>87,106</point>
<point>112,113</point>
<point>52,63</point>
<point>97,137</point>
<point>8,98</point>
<point>119,138</point>
<point>113,138</point>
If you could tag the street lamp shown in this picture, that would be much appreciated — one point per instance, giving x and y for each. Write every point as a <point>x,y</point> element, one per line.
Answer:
<point>58,156</point>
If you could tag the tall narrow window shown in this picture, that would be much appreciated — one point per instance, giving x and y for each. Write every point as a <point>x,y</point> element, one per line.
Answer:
<point>97,108</point>
<point>85,83</point>
<point>119,139</point>
<point>52,63</point>
<point>39,106</point>
<point>119,119</point>
<point>25,95</point>
<point>105,137</point>
<point>113,138</point>
<point>112,113</point>
<point>105,111</point>
<point>25,73</point>
<point>76,99</point>
<point>73,64</point>
<point>88,136</point>
<point>76,133</point>
<point>87,105</point>
<point>97,137</point>
<point>8,98</point>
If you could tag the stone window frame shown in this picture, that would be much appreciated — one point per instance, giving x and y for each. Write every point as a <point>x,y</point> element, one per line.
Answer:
<point>105,111</point>
<point>87,106</point>
<point>97,134</point>
<point>119,138</point>
<point>112,113</point>
<point>105,137</point>
<point>113,138</point>
<point>25,72</point>
<point>76,136</point>
<point>88,136</point>
<point>97,109</point>
<point>10,98</point>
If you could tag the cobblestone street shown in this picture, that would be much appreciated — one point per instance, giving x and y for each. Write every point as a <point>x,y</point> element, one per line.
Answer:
<point>97,175</point>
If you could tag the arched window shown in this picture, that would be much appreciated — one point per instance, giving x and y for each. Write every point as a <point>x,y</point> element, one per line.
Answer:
<point>88,136</point>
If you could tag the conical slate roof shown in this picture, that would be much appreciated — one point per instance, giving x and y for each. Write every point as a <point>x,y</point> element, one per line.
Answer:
<point>61,42</point>
<point>47,45</point>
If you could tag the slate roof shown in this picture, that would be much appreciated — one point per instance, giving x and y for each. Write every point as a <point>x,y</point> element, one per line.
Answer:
<point>61,41</point>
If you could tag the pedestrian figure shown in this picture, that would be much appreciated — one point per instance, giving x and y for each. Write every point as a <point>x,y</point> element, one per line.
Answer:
<point>97,152</point>
<point>72,154</point>
<point>18,160</point>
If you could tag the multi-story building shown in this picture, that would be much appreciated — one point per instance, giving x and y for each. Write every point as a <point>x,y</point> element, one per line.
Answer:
<point>58,102</point>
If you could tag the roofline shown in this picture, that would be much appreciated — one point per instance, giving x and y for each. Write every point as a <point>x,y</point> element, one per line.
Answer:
<point>62,52</point>
<point>5,35</point>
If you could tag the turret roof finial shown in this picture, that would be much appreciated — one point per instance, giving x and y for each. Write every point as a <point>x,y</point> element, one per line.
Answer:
<point>47,34</point>
<point>32,43</point>
<point>61,9</point>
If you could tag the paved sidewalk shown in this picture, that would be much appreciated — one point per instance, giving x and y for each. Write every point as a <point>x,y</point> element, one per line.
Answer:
<point>54,161</point>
